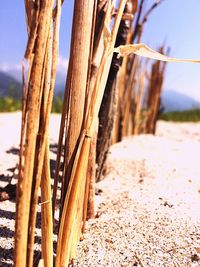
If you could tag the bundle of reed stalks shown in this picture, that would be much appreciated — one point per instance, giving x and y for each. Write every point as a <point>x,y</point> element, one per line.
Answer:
<point>86,80</point>
<point>131,79</point>
<point>43,20</point>
<point>96,89</point>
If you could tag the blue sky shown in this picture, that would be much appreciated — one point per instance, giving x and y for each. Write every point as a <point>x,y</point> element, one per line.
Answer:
<point>175,21</point>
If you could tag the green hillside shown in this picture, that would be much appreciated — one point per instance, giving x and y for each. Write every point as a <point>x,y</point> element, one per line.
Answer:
<point>182,116</point>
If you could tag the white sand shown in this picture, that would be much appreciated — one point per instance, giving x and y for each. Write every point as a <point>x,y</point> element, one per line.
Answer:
<point>148,211</point>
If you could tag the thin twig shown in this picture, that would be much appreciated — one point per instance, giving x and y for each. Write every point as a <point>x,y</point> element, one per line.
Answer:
<point>145,17</point>
<point>176,248</point>
<point>139,260</point>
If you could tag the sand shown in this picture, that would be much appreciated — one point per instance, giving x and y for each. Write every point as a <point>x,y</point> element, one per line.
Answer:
<point>147,207</point>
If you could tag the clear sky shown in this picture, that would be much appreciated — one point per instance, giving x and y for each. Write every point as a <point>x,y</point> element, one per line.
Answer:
<point>175,21</point>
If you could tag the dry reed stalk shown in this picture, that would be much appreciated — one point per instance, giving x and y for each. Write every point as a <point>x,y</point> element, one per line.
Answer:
<point>158,95</point>
<point>128,100</point>
<point>77,81</point>
<point>89,191</point>
<point>81,205</point>
<point>89,181</point>
<point>137,25</point>
<point>137,117</point>
<point>68,220</point>
<point>46,213</point>
<point>92,154</point>
<point>23,121</point>
<point>154,93</point>
<point>139,30</point>
<point>91,175</point>
<point>29,8</point>
<point>32,25</point>
<point>151,93</point>
<point>62,133</point>
<point>121,91</point>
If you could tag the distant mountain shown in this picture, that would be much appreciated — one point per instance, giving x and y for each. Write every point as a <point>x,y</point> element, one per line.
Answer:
<point>12,80</point>
<point>172,100</point>
<point>9,86</point>
<point>60,83</point>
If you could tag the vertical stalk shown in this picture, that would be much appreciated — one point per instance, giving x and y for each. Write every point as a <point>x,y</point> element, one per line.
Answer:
<point>77,80</point>
<point>46,213</point>
<point>140,93</point>
<point>89,212</point>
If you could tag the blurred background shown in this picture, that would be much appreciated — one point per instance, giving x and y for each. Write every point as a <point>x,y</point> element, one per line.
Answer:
<point>173,23</point>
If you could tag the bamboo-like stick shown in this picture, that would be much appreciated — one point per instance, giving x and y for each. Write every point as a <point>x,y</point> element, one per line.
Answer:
<point>67,225</point>
<point>77,81</point>
<point>137,23</point>
<point>88,210</point>
<point>46,213</point>
<point>47,219</point>
<point>82,200</point>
